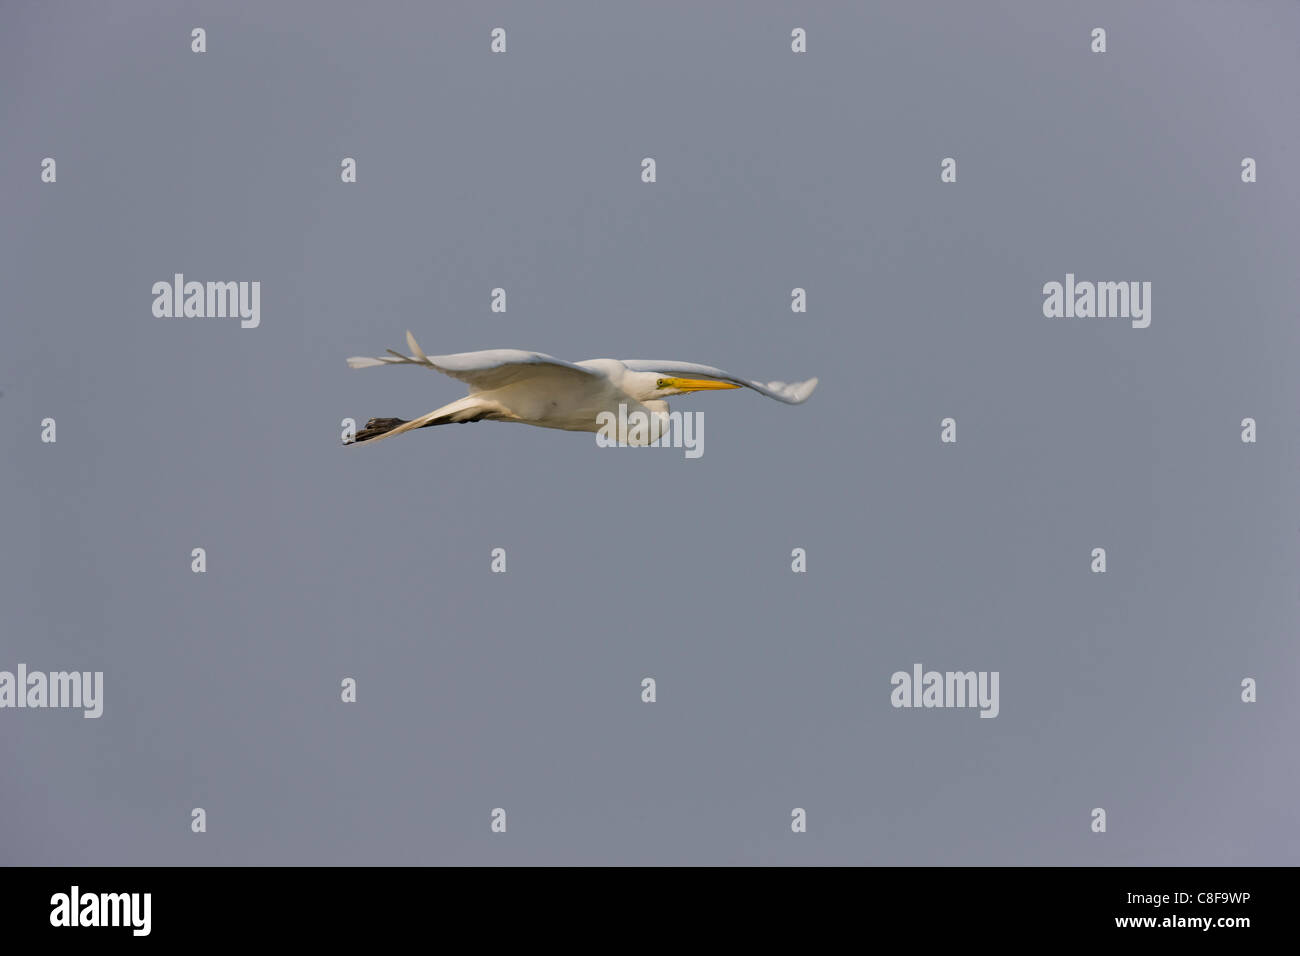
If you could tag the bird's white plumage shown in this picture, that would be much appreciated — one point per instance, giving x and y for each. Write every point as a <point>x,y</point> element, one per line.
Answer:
<point>792,394</point>
<point>482,371</point>
<point>538,389</point>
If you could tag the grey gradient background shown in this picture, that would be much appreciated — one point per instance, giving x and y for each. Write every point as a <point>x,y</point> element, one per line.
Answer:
<point>523,690</point>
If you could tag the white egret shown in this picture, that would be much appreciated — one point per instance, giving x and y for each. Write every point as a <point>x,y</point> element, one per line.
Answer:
<point>510,385</point>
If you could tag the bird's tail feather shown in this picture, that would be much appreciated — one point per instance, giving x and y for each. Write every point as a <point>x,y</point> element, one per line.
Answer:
<point>394,357</point>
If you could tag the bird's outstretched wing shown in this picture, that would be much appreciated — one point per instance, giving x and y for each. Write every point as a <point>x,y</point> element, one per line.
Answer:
<point>791,393</point>
<point>482,371</point>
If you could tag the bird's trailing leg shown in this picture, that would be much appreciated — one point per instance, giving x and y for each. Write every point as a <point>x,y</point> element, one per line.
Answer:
<point>378,426</point>
<point>461,411</point>
<point>382,426</point>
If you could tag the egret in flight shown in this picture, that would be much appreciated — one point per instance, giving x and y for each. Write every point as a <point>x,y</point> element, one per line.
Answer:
<point>509,385</point>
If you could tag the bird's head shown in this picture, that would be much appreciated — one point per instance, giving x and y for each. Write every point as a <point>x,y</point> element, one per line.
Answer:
<point>662,386</point>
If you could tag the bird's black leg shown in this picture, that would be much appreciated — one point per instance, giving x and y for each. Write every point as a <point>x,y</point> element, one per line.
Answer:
<point>378,426</point>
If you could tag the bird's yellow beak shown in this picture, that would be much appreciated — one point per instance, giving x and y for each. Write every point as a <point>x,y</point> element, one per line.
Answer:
<point>696,384</point>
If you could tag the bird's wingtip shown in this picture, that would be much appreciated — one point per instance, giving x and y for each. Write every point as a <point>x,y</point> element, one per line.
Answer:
<point>804,389</point>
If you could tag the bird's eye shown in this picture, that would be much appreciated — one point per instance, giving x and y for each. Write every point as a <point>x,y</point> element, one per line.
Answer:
<point>660,384</point>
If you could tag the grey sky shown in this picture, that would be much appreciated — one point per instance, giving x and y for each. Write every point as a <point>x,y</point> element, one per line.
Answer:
<point>522,690</point>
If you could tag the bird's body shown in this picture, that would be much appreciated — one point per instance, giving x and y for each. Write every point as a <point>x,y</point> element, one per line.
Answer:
<point>510,385</point>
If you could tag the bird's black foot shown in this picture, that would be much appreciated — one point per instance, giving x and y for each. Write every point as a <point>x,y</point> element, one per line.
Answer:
<point>376,427</point>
